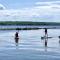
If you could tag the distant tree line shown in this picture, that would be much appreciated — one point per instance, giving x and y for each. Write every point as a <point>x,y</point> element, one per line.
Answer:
<point>27,23</point>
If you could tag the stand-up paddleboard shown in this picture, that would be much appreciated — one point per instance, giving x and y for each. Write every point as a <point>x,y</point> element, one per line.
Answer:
<point>45,37</point>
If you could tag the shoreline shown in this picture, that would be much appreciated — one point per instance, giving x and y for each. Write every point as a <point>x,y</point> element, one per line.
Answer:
<point>19,28</point>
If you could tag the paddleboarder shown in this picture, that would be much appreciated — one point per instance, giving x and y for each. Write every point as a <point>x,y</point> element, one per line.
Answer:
<point>16,38</point>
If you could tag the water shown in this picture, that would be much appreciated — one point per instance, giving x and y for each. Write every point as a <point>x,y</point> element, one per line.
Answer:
<point>28,26</point>
<point>30,47</point>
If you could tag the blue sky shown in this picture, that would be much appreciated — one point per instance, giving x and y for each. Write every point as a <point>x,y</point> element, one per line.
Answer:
<point>30,10</point>
<point>13,4</point>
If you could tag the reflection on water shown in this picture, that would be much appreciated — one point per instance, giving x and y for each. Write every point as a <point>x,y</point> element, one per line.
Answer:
<point>30,46</point>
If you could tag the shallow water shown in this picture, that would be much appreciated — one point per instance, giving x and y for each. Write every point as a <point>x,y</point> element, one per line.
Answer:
<point>30,47</point>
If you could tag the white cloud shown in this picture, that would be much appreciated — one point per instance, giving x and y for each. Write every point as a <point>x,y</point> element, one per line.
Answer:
<point>2,7</point>
<point>41,9</point>
<point>51,7</point>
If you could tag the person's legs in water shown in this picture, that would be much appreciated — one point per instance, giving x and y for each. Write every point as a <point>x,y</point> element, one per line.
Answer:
<point>16,41</point>
<point>45,43</point>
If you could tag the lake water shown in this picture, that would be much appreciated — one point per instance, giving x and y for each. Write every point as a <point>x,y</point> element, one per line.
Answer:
<point>30,47</point>
<point>29,26</point>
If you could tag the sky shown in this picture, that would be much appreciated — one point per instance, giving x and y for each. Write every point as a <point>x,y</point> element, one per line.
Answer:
<point>30,10</point>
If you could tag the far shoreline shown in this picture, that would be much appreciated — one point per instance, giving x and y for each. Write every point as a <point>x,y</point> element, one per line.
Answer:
<point>27,23</point>
<point>31,23</point>
<point>19,28</point>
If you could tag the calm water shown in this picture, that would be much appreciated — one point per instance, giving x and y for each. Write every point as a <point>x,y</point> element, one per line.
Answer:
<point>31,47</point>
<point>28,26</point>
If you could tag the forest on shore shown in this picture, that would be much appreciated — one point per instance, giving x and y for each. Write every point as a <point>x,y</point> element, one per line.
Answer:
<point>28,23</point>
